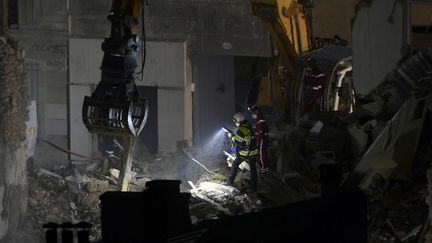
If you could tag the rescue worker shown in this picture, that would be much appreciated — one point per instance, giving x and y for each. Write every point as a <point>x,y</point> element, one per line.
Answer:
<point>244,142</point>
<point>261,137</point>
<point>314,82</point>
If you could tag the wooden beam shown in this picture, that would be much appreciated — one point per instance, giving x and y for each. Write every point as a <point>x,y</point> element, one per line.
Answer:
<point>124,178</point>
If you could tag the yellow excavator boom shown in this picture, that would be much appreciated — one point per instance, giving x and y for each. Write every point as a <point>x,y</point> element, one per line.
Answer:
<point>288,26</point>
<point>288,22</point>
<point>131,8</point>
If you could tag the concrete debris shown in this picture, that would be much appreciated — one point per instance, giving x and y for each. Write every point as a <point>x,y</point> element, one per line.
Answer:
<point>360,138</point>
<point>93,167</point>
<point>377,147</point>
<point>412,233</point>
<point>317,127</point>
<point>394,148</point>
<point>137,179</point>
<point>226,200</point>
<point>72,195</point>
<point>48,173</point>
<point>211,200</point>
<point>374,108</point>
<point>114,173</point>
<point>386,130</point>
<point>96,185</point>
<point>54,199</point>
<point>211,186</point>
<point>286,149</point>
<point>411,78</point>
<point>398,215</point>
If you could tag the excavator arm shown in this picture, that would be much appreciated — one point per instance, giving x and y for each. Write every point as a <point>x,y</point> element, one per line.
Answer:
<point>116,107</point>
<point>289,25</point>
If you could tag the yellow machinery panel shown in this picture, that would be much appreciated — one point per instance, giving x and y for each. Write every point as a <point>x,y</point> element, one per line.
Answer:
<point>288,23</point>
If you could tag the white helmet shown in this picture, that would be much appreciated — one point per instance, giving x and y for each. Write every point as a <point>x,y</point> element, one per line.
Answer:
<point>238,117</point>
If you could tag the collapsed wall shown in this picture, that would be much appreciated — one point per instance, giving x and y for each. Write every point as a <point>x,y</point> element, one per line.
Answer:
<point>13,181</point>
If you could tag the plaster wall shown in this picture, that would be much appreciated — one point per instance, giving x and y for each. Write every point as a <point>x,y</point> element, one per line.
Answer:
<point>333,17</point>
<point>210,27</point>
<point>377,43</point>
<point>214,96</point>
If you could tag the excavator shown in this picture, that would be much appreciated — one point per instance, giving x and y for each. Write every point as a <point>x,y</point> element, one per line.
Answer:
<point>116,106</point>
<point>301,78</point>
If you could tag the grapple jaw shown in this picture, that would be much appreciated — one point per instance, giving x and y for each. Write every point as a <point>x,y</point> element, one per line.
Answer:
<point>115,117</point>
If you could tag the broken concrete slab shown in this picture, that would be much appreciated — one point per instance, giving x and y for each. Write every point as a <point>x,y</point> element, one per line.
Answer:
<point>95,185</point>
<point>207,185</point>
<point>225,199</point>
<point>286,149</point>
<point>360,139</point>
<point>316,129</point>
<point>43,171</point>
<point>382,155</point>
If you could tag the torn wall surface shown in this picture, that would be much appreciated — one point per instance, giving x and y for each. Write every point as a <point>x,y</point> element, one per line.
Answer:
<point>377,34</point>
<point>13,149</point>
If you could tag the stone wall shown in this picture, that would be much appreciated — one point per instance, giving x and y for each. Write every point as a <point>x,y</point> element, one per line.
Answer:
<point>223,27</point>
<point>13,180</point>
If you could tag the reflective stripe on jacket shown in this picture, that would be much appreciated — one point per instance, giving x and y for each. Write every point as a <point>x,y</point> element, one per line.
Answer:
<point>244,140</point>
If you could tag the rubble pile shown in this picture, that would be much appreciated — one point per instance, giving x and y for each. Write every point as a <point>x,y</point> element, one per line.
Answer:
<point>212,200</point>
<point>412,78</point>
<point>217,201</point>
<point>72,195</point>
<point>398,215</point>
<point>286,149</point>
<point>54,198</point>
<point>393,162</point>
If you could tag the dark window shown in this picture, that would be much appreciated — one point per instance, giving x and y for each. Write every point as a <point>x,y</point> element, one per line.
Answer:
<point>13,14</point>
<point>422,29</point>
<point>32,74</point>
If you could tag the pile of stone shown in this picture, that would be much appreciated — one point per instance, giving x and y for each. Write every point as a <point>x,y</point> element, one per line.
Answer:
<point>62,196</point>
<point>53,198</point>
<point>213,200</point>
<point>398,214</point>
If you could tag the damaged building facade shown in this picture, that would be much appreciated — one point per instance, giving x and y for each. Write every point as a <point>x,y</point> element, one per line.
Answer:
<point>200,62</point>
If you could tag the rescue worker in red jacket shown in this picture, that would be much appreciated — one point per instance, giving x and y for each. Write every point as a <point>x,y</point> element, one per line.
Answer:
<point>261,137</point>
